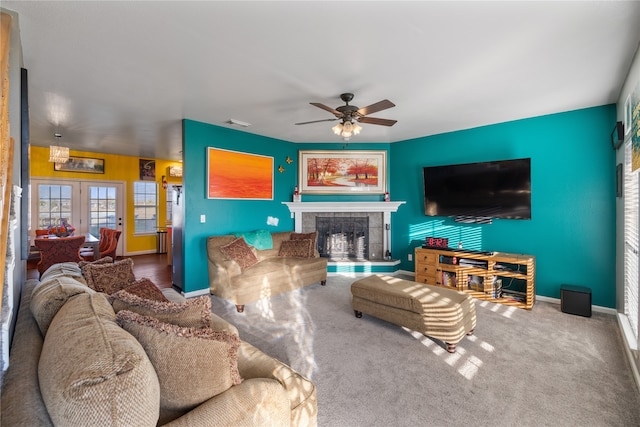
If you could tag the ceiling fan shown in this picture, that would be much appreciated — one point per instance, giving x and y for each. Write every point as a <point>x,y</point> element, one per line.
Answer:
<point>350,114</point>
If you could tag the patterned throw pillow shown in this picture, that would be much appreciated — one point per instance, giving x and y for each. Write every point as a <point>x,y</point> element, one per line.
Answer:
<point>240,252</point>
<point>109,278</point>
<point>105,260</point>
<point>145,288</point>
<point>303,236</point>
<point>302,248</point>
<point>204,362</point>
<point>193,313</point>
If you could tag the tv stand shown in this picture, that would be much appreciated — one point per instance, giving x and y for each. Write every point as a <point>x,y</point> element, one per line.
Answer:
<point>493,276</point>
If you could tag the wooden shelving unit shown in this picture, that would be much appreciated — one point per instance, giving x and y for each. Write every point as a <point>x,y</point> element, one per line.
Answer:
<point>498,277</point>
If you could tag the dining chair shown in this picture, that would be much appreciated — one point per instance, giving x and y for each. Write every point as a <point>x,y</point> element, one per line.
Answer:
<point>107,247</point>
<point>53,251</point>
<point>87,253</point>
<point>114,236</point>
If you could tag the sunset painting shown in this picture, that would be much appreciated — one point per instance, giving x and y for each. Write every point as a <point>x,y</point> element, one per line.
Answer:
<point>236,175</point>
<point>341,172</point>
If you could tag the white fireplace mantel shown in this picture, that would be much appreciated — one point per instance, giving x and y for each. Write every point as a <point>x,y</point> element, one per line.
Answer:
<point>386,208</point>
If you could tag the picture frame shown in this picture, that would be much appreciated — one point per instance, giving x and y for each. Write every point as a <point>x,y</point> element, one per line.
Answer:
<point>147,170</point>
<point>237,175</point>
<point>342,172</point>
<point>80,164</point>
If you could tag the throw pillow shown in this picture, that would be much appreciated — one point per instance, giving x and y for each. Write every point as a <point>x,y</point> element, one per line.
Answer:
<point>192,365</point>
<point>260,239</point>
<point>240,252</point>
<point>193,313</point>
<point>145,288</point>
<point>105,260</point>
<point>93,372</point>
<point>109,278</point>
<point>296,248</point>
<point>303,236</point>
<point>63,269</point>
<point>49,296</point>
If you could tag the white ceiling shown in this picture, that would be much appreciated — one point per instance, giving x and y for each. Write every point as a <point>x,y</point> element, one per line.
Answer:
<point>118,77</point>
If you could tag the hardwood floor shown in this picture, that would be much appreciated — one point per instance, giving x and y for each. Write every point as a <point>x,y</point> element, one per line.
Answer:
<point>152,266</point>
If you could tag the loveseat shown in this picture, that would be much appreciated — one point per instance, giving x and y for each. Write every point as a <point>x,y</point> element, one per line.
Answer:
<point>246,267</point>
<point>83,357</point>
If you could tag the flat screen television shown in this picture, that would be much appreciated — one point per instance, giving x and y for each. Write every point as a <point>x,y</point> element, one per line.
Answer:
<point>497,189</point>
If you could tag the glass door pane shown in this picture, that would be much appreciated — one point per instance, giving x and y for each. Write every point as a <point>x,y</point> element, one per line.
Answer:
<point>55,203</point>
<point>102,208</point>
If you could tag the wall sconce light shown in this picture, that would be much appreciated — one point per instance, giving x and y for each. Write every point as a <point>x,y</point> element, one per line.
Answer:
<point>164,182</point>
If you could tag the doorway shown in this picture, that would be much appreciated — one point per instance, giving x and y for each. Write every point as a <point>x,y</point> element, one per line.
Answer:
<point>87,205</point>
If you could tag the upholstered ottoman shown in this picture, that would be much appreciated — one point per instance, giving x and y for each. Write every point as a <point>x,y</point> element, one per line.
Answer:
<point>434,311</point>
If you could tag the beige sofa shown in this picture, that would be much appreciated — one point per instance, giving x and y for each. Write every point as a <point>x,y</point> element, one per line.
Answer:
<point>88,370</point>
<point>274,272</point>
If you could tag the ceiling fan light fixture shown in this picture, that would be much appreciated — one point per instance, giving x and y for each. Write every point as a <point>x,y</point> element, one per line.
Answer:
<point>346,130</point>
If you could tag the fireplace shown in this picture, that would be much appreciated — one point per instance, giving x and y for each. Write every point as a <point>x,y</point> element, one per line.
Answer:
<point>350,243</point>
<point>343,238</point>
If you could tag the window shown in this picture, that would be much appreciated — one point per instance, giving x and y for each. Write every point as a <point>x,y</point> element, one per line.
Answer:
<point>54,204</point>
<point>145,204</point>
<point>631,244</point>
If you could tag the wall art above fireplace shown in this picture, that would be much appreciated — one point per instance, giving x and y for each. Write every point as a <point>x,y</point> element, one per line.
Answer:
<point>340,172</point>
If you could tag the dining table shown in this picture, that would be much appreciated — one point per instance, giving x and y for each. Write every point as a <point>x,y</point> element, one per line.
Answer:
<point>91,241</point>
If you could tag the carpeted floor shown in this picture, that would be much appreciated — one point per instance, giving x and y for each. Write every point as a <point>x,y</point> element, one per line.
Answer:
<point>520,368</point>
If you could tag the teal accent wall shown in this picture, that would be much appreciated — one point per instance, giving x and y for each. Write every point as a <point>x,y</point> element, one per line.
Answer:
<point>572,230</point>
<point>228,216</point>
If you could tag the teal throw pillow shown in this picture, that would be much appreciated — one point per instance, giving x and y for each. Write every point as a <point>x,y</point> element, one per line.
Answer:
<point>260,239</point>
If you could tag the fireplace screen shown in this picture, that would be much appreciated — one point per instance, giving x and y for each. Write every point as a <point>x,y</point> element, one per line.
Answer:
<point>343,238</point>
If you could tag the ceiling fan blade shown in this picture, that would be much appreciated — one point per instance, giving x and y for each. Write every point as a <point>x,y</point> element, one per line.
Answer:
<point>378,106</point>
<point>316,121</point>
<point>376,121</point>
<point>329,109</point>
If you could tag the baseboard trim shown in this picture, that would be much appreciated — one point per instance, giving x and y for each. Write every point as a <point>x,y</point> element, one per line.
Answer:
<point>596,308</point>
<point>153,251</point>
<point>194,294</point>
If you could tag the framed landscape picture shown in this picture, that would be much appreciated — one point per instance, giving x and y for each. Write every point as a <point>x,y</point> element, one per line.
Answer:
<point>237,175</point>
<point>80,164</point>
<point>343,172</point>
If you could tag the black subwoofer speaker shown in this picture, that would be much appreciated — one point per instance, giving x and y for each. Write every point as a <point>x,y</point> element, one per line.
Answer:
<point>575,300</point>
